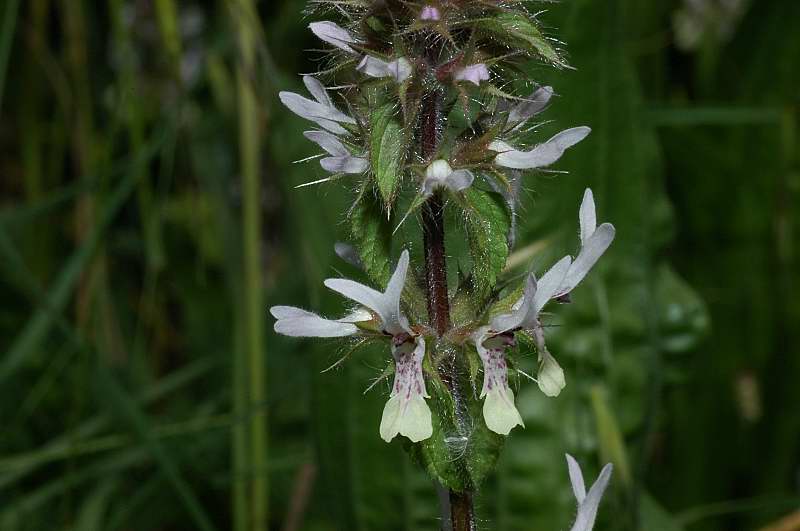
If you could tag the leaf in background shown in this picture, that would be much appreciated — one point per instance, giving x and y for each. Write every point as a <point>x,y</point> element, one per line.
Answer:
<point>610,441</point>
<point>654,517</point>
<point>38,326</point>
<point>92,515</point>
<point>488,223</point>
<point>124,405</point>
<point>387,151</point>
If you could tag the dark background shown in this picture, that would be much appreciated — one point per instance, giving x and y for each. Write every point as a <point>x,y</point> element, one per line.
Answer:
<point>121,285</point>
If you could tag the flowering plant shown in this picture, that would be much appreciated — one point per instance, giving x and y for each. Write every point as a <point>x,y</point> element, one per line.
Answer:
<point>428,120</point>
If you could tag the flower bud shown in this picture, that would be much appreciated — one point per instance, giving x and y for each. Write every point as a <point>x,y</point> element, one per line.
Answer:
<point>551,376</point>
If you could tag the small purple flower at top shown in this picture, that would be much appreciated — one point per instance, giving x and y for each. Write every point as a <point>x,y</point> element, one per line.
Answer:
<point>430,13</point>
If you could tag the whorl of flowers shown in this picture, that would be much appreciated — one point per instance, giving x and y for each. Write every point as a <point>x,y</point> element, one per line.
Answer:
<point>422,108</point>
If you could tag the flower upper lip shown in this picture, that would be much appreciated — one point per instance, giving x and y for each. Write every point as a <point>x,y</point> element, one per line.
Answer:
<point>387,304</point>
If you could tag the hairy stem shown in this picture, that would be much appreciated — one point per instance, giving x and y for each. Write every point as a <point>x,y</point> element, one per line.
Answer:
<point>436,264</point>
<point>461,514</point>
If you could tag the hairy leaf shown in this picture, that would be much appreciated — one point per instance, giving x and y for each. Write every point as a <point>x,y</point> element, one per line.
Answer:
<point>372,233</point>
<point>517,29</point>
<point>387,151</point>
<point>488,223</point>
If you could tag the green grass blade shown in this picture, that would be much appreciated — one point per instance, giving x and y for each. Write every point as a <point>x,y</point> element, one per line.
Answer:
<point>125,406</point>
<point>253,329</point>
<point>37,328</point>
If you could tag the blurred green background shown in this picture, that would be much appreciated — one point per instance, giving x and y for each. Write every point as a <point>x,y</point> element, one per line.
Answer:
<point>131,341</point>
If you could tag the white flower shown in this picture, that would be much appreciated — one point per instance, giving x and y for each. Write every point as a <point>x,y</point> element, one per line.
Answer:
<point>542,155</point>
<point>499,411</point>
<point>557,282</point>
<point>406,412</point>
<point>430,13</point>
<point>322,112</point>
<point>524,110</point>
<point>334,34</point>
<point>440,174</point>
<point>472,73</point>
<point>399,69</point>
<point>341,160</point>
<point>587,503</point>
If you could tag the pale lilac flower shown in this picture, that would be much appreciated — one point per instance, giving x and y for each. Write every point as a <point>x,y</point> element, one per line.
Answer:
<point>406,412</point>
<point>430,13</point>
<point>322,111</point>
<point>557,282</point>
<point>594,242</point>
<point>399,69</point>
<point>542,155</point>
<point>439,174</point>
<point>472,73</point>
<point>296,322</point>
<point>587,503</point>
<point>334,34</point>
<point>341,160</point>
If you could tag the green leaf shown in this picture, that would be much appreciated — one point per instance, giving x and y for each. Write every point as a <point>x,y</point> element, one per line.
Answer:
<point>488,223</point>
<point>372,236</point>
<point>518,29</point>
<point>609,435</point>
<point>387,151</point>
